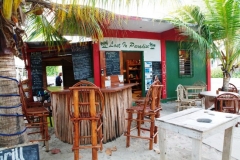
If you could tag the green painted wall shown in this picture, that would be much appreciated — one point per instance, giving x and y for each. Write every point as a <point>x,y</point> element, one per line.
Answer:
<point>173,79</point>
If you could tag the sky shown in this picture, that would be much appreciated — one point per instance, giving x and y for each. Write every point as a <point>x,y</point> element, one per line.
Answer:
<point>156,9</point>
<point>146,9</point>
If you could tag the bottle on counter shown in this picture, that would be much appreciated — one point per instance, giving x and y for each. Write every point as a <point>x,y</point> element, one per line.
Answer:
<point>39,96</point>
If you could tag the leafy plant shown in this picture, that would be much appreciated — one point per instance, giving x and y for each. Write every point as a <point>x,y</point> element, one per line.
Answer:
<point>52,70</point>
<point>214,26</point>
<point>216,73</point>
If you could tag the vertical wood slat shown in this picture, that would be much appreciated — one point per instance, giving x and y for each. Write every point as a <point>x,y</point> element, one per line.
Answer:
<point>76,124</point>
<point>93,124</point>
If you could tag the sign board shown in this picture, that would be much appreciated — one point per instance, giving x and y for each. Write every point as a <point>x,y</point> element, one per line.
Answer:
<point>156,70</point>
<point>22,152</point>
<point>82,62</point>
<point>36,72</point>
<point>151,48</point>
<point>112,63</point>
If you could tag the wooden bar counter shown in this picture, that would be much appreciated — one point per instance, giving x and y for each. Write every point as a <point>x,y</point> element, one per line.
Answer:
<point>117,99</point>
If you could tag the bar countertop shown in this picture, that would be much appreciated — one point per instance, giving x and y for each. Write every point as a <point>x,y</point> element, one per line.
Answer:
<point>113,88</point>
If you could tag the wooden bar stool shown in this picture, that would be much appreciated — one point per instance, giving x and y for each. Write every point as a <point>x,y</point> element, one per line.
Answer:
<point>141,100</point>
<point>150,108</point>
<point>35,117</point>
<point>88,105</point>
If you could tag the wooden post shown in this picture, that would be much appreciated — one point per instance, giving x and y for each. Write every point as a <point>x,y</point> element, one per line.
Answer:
<point>76,125</point>
<point>94,124</point>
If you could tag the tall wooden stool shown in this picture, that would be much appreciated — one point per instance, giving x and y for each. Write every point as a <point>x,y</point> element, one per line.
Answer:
<point>36,118</point>
<point>149,108</point>
<point>88,105</point>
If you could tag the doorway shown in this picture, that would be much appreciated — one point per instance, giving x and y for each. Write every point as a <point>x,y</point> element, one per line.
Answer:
<point>133,70</point>
<point>52,72</point>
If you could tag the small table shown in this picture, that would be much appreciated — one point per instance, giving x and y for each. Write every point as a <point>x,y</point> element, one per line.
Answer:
<point>185,123</point>
<point>209,97</point>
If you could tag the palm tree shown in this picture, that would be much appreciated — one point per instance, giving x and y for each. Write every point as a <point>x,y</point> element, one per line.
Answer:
<point>52,20</point>
<point>213,28</point>
<point>42,17</point>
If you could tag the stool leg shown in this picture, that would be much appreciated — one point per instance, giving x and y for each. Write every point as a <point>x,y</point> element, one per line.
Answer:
<point>152,124</point>
<point>94,140</point>
<point>46,136</point>
<point>100,135</point>
<point>155,131</point>
<point>139,121</point>
<point>157,114</point>
<point>50,116</point>
<point>76,140</point>
<point>128,129</point>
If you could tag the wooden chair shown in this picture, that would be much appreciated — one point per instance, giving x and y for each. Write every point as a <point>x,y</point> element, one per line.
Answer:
<point>88,105</point>
<point>149,108</point>
<point>35,117</point>
<point>226,102</point>
<point>182,98</point>
<point>232,88</point>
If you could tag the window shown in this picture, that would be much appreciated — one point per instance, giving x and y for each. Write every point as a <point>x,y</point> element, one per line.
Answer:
<point>185,63</point>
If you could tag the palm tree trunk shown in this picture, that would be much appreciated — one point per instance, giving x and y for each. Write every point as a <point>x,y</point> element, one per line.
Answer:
<point>226,81</point>
<point>11,127</point>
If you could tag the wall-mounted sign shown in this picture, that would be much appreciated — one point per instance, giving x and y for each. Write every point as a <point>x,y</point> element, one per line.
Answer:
<point>22,152</point>
<point>151,48</point>
<point>112,63</point>
<point>127,45</point>
<point>36,72</point>
<point>82,62</point>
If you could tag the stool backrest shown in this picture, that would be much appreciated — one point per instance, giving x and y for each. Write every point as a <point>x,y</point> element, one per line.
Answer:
<point>86,93</point>
<point>232,88</point>
<point>181,93</point>
<point>153,96</point>
<point>226,101</point>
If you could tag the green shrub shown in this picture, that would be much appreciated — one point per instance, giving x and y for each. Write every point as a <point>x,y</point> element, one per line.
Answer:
<point>236,74</point>
<point>217,73</point>
<point>52,70</point>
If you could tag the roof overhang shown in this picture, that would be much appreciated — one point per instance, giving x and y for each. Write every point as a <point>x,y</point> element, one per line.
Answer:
<point>141,24</point>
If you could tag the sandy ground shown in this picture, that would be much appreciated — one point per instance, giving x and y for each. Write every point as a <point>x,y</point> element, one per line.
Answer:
<point>179,147</point>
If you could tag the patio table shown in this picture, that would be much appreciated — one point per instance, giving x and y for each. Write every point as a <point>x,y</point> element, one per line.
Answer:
<point>185,123</point>
<point>209,98</point>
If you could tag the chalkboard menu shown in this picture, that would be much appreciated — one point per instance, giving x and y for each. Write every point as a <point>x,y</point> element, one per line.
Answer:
<point>112,63</point>
<point>36,72</point>
<point>82,62</point>
<point>27,152</point>
<point>156,70</point>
